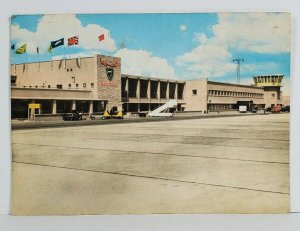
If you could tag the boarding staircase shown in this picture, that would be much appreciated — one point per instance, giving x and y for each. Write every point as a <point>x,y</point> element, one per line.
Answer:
<point>161,111</point>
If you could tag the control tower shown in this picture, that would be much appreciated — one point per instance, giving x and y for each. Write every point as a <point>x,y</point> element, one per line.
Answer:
<point>272,88</point>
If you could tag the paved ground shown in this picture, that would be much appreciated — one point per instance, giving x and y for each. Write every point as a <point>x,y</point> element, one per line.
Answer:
<point>214,165</point>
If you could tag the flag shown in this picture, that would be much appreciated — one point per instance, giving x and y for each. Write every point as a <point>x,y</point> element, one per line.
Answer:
<point>57,43</point>
<point>13,47</point>
<point>37,50</point>
<point>73,41</point>
<point>50,48</point>
<point>101,37</point>
<point>21,49</point>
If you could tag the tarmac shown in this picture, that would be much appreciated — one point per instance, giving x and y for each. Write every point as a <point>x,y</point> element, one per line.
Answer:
<point>237,164</point>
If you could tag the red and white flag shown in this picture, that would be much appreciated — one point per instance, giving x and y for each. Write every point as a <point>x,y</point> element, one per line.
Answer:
<point>73,41</point>
<point>101,37</point>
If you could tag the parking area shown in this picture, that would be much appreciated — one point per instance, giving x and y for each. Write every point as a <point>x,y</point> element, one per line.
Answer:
<point>213,165</point>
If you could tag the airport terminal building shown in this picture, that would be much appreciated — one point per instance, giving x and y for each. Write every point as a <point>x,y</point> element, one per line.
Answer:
<point>94,84</point>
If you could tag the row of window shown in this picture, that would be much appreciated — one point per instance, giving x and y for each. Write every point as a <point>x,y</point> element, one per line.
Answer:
<point>235,94</point>
<point>220,106</point>
<point>60,86</point>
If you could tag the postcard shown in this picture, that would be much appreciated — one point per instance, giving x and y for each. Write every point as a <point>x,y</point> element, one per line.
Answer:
<point>169,113</point>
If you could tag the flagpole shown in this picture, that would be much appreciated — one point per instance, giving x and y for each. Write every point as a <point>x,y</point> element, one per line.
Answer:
<point>38,51</point>
<point>65,55</point>
<point>51,59</point>
<point>26,57</point>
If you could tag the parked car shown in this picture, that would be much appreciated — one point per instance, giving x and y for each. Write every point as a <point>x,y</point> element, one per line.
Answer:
<point>286,108</point>
<point>276,109</point>
<point>268,109</point>
<point>74,115</point>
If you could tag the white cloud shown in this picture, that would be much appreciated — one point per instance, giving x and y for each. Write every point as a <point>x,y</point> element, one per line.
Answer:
<point>258,32</point>
<point>255,32</point>
<point>210,59</point>
<point>141,62</point>
<point>183,27</point>
<point>53,27</point>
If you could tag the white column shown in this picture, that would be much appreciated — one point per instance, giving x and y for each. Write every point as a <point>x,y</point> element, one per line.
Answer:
<point>32,110</point>
<point>73,105</point>
<point>148,90</point>
<point>54,106</point>
<point>176,91</point>
<point>168,90</point>
<point>91,107</point>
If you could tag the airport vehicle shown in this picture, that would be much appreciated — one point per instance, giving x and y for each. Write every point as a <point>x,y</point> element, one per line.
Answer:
<point>242,109</point>
<point>113,114</point>
<point>254,108</point>
<point>276,109</point>
<point>73,115</point>
<point>166,110</point>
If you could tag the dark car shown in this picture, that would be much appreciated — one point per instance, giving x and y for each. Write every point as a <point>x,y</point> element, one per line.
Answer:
<point>74,115</point>
<point>286,108</point>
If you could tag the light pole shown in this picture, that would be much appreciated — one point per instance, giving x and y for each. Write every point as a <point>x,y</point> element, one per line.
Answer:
<point>238,70</point>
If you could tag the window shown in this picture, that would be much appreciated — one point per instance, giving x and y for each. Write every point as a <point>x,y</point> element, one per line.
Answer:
<point>194,92</point>
<point>13,80</point>
<point>92,85</point>
<point>59,86</point>
<point>70,85</point>
<point>49,86</point>
<point>76,84</point>
<point>273,95</point>
<point>84,85</point>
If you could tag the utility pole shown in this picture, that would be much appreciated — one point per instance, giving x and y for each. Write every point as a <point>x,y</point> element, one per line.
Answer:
<point>238,70</point>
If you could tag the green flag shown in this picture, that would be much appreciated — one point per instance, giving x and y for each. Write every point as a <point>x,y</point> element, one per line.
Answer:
<point>21,49</point>
<point>50,49</point>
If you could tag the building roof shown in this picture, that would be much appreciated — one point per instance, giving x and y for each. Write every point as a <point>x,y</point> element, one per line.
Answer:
<point>232,84</point>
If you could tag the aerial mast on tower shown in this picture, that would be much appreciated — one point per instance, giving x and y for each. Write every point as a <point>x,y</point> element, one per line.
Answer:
<point>238,70</point>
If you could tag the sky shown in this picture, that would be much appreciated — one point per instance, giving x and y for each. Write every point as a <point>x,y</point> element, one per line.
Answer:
<point>173,46</point>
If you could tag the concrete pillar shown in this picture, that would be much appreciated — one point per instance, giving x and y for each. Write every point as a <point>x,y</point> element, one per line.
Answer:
<point>54,106</point>
<point>176,91</point>
<point>139,107</point>
<point>138,90</point>
<point>73,105</point>
<point>32,110</point>
<point>158,90</point>
<point>91,107</point>
<point>168,90</point>
<point>148,90</point>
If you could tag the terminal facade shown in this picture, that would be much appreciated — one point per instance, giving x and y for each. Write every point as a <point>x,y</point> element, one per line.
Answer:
<point>94,84</point>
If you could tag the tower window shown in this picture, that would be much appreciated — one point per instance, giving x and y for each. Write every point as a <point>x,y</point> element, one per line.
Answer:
<point>194,92</point>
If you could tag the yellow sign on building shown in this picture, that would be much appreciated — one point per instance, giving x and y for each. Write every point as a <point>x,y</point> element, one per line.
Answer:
<point>34,105</point>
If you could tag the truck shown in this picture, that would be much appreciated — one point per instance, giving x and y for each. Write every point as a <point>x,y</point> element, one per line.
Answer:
<point>242,109</point>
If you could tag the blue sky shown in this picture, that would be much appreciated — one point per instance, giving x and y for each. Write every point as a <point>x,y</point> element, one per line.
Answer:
<point>176,46</point>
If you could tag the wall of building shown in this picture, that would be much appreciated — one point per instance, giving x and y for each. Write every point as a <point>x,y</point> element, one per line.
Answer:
<point>233,95</point>
<point>77,73</point>
<point>196,95</point>
<point>272,96</point>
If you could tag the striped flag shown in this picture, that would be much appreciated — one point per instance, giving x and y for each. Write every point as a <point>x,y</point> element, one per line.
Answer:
<point>57,43</point>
